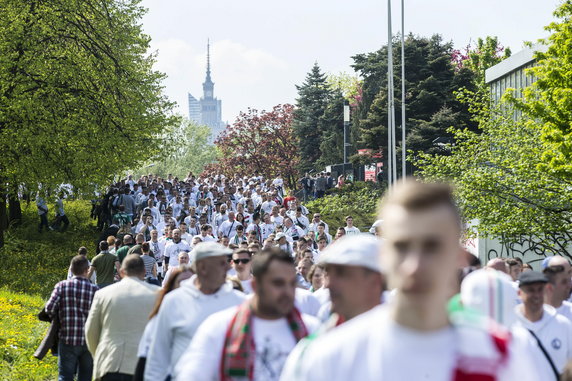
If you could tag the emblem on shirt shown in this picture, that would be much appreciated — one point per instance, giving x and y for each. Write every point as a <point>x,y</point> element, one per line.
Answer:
<point>556,343</point>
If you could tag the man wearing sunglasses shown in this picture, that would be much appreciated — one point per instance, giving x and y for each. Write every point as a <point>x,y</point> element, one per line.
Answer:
<point>558,273</point>
<point>240,262</point>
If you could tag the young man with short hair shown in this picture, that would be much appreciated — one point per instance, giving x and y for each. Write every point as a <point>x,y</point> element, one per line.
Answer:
<point>350,228</point>
<point>412,338</point>
<point>253,340</point>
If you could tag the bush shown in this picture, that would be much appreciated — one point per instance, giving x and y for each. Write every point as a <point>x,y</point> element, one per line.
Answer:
<point>34,262</point>
<point>20,334</point>
<point>359,199</point>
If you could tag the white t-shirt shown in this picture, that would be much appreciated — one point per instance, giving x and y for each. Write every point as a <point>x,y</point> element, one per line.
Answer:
<point>565,310</point>
<point>173,249</point>
<point>352,230</point>
<point>374,347</point>
<point>273,341</point>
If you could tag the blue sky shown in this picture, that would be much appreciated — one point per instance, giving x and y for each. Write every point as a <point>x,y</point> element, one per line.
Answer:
<point>261,49</point>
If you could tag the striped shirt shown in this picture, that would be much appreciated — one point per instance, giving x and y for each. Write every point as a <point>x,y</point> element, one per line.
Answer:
<point>149,263</point>
<point>71,299</point>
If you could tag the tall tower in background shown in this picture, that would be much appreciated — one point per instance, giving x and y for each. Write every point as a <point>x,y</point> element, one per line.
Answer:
<point>209,107</point>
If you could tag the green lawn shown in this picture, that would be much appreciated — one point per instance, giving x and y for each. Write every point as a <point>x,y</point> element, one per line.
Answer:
<point>32,264</point>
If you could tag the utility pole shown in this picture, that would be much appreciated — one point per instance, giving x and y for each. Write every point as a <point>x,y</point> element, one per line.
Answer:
<point>391,157</point>
<point>346,131</point>
<point>403,149</point>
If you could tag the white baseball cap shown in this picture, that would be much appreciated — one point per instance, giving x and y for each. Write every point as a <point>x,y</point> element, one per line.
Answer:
<point>492,294</point>
<point>354,250</point>
<point>209,249</point>
<point>375,225</point>
<point>279,235</point>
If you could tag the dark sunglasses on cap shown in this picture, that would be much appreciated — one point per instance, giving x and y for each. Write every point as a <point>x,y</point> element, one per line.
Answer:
<point>244,261</point>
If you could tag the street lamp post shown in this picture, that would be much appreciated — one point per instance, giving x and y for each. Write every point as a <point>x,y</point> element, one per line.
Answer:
<point>346,131</point>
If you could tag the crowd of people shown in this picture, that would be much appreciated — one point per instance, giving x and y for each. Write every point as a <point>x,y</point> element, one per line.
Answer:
<point>214,278</point>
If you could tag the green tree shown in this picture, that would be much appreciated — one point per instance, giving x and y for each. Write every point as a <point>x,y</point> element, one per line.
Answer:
<point>189,151</point>
<point>431,79</point>
<point>331,123</point>
<point>79,99</point>
<point>548,102</point>
<point>498,181</point>
<point>313,97</point>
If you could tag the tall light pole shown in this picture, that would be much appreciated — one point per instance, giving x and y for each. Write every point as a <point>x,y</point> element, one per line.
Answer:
<point>346,132</point>
<point>403,149</point>
<point>390,105</point>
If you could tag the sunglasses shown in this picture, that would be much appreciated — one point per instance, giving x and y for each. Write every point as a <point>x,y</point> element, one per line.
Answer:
<point>244,261</point>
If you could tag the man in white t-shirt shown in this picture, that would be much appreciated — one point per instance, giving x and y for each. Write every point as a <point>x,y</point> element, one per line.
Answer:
<point>551,330</point>
<point>350,228</point>
<point>411,338</point>
<point>253,340</point>
<point>228,227</point>
<point>173,248</point>
<point>242,264</point>
<point>558,273</point>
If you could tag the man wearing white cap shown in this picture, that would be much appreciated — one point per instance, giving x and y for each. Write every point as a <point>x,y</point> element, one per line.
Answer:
<point>185,308</point>
<point>355,286</point>
<point>283,244</point>
<point>412,338</point>
<point>354,273</point>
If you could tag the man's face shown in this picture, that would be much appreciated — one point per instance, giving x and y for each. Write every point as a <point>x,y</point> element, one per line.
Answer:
<point>348,286</point>
<point>287,222</point>
<point>321,229</point>
<point>303,268</point>
<point>421,251</point>
<point>244,263</point>
<point>266,219</point>
<point>215,270</point>
<point>350,221</point>
<point>225,241</point>
<point>183,258</point>
<point>154,235</point>
<point>515,271</point>
<point>231,216</point>
<point>321,244</point>
<point>532,296</point>
<point>176,234</point>
<point>561,288</point>
<point>277,288</point>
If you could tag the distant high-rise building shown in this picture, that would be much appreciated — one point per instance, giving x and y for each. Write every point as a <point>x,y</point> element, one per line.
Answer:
<point>194,109</point>
<point>208,110</point>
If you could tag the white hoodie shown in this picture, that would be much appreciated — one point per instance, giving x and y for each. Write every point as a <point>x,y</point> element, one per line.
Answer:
<point>181,313</point>
<point>555,333</point>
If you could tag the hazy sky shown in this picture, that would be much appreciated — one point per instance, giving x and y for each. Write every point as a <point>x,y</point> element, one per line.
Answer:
<point>260,49</point>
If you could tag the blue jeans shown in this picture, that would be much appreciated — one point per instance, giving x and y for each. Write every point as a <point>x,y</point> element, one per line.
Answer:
<point>72,358</point>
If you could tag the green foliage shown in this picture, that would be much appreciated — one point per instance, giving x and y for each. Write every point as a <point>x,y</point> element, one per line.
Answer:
<point>313,97</point>
<point>34,262</point>
<point>331,124</point>
<point>498,181</point>
<point>79,97</point>
<point>359,199</point>
<point>548,102</point>
<point>20,334</point>
<point>188,150</point>
<point>430,80</point>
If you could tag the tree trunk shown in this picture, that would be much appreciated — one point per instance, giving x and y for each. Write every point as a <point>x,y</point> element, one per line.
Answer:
<point>15,212</point>
<point>15,216</point>
<point>3,214</point>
